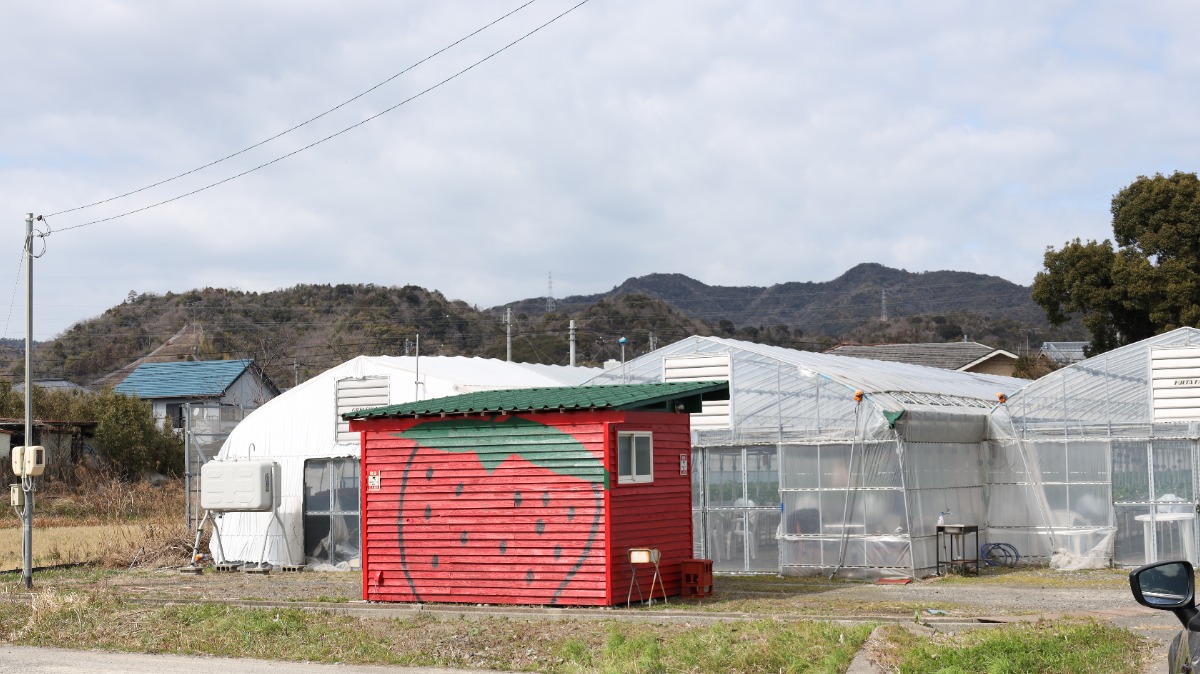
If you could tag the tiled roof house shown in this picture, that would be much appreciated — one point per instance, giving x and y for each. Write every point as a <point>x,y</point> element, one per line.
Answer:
<point>170,386</point>
<point>960,356</point>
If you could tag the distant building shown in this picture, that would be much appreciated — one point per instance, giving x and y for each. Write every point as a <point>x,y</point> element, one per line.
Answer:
<point>959,356</point>
<point>52,384</point>
<point>1063,353</point>
<point>171,386</point>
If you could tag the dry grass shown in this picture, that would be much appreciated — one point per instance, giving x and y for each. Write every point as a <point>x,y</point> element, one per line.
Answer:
<point>94,497</point>
<point>101,618</point>
<point>1043,577</point>
<point>104,520</point>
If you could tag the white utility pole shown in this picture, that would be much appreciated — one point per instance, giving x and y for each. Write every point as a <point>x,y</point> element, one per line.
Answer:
<point>27,482</point>
<point>622,341</point>
<point>508,332</point>
<point>572,342</point>
<point>417,371</point>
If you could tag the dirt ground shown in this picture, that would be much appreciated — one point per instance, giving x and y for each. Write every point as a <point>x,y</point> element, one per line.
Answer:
<point>947,604</point>
<point>1026,592</point>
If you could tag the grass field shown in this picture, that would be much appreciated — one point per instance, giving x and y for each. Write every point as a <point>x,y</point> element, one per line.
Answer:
<point>68,545</point>
<point>96,615</point>
<point>101,520</point>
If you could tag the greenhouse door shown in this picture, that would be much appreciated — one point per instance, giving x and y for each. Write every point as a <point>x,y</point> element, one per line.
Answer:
<point>1153,484</point>
<point>331,513</point>
<point>735,507</point>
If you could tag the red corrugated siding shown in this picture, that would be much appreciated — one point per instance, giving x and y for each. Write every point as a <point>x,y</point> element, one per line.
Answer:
<point>445,528</point>
<point>520,533</point>
<point>652,515</point>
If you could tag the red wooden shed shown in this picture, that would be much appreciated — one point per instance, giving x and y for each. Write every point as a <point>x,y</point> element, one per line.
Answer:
<point>530,496</point>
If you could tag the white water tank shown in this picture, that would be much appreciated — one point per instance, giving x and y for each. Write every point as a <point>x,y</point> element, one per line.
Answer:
<point>239,486</point>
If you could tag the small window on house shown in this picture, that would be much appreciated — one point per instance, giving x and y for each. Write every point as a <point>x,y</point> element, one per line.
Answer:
<point>635,458</point>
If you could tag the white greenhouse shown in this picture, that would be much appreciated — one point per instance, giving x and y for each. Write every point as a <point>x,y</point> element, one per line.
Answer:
<point>1110,443</point>
<point>794,475</point>
<point>1092,465</point>
<point>303,431</point>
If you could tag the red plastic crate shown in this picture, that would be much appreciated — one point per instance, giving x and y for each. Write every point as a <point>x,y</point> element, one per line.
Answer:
<point>697,577</point>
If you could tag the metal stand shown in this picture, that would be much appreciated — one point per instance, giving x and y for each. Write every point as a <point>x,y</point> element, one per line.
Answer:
<point>195,568</point>
<point>263,567</point>
<point>642,557</point>
<point>957,554</point>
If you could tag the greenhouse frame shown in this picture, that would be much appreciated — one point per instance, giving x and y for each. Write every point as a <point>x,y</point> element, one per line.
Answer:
<point>824,464</point>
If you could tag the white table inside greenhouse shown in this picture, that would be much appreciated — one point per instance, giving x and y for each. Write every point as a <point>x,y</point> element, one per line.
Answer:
<point>1181,520</point>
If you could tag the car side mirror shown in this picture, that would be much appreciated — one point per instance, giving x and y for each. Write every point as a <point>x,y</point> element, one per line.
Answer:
<point>1168,586</point>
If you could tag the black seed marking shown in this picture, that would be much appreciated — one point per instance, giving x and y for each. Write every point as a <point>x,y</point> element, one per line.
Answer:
<point>428,511</point>
<point>429,473</point>
<point>540,527</point>
<point>517,498</point>
<point>503,547</point>
<point>587,546</point>
<point>557,551</point>
<point>463,539</point>
<point>400,524</point>
<point>458,490</point>
<point>435,561</point>
<point>545,498</point>
<point>529,576</point>
<point>571,513</point>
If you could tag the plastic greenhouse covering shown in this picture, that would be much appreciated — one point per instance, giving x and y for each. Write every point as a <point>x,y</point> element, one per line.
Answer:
<point>804,479</point>
<point>1108,449</point>
<point>319,516</point>
<point>1089,466</point>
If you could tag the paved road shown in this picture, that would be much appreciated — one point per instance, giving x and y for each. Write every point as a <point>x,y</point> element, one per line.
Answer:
<point>29,660</point>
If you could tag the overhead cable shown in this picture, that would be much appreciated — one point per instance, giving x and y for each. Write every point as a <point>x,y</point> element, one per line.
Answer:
<point>333,135</point>
<point>301,124</point>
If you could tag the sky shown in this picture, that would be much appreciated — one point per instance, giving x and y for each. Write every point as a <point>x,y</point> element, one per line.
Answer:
<point>739,142</point>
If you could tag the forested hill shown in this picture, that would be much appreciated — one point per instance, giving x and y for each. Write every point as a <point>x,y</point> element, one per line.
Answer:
<point>298,332</point>
<point>926,306</point>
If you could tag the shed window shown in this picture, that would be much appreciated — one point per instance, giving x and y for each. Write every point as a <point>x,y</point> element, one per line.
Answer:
<point>635,457</point>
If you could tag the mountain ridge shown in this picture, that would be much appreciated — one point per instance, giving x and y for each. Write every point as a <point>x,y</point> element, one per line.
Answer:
<point>297,332</point>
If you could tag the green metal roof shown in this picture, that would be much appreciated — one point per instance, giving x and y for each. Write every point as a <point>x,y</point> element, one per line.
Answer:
<point>611,397</point>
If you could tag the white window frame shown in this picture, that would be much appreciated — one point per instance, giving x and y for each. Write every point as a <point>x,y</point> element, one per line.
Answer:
<point>628,474</point>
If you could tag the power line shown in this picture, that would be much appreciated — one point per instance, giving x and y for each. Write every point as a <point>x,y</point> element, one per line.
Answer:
<point>301,124</point>
<point>338,133</point>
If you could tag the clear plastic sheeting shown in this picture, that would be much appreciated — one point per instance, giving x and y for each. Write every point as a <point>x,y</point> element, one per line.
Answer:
<point>780,395</point>
<point>806,479</point>
<point>1075,469</point>
<point>1051,499</point>
<point>1081,450</point>
<point>1106,396</point>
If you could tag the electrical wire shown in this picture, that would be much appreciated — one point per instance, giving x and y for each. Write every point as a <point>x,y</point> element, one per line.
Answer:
<point>301,124</point>
<point>338,133</point>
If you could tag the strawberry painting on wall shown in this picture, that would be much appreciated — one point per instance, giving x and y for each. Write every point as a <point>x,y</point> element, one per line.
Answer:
<point>528,501</point>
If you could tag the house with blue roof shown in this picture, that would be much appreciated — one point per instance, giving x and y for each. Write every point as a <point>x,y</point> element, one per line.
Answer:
<point>171,386</point>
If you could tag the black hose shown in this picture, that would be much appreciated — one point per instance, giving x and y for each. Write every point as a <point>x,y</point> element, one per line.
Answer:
<point>999,554</point>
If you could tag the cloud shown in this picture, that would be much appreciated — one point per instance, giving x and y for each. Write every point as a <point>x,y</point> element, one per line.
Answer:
<point>751,142</point>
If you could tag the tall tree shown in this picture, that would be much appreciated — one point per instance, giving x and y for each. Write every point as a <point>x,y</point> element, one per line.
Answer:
<point>1148,283</point>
